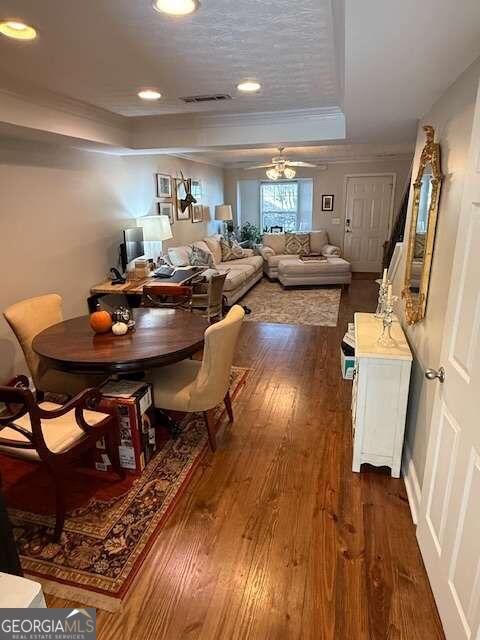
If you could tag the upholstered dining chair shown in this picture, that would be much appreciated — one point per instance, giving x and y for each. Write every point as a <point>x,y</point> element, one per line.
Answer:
<point>212,299</point>
<point>29,318</point>
<point>53,434</point>
<point>193,386</point>
<point>162,296</point>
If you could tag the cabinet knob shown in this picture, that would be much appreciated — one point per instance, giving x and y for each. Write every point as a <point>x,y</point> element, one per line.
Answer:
<point>433,374</point>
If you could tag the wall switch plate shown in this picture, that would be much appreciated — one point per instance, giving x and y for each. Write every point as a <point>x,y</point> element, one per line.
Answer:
<point>335,220</point>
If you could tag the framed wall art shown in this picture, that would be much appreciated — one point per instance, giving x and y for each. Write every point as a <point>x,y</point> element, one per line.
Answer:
<point>197,213</point>
<point>166,209</point>
<point>164,185</point>
<point>327,202</point>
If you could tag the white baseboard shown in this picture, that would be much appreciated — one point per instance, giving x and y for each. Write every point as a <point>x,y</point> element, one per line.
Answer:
<point>414,493</point>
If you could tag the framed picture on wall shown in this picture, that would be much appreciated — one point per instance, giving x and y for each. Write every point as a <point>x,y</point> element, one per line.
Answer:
<point>327,202</point>
<point>197,213</point>
<point>164,185</point>
<point>166,209</point>
<point>197,191</point>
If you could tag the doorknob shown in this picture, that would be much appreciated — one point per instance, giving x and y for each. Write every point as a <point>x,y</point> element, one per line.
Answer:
<point>432,374</point>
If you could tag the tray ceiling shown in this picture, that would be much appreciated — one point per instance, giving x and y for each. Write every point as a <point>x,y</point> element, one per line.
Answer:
<point>101,52</point>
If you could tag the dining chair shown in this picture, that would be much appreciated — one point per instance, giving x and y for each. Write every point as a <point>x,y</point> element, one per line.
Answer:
<point>192,386</point>
<point>172,296</point>
<point>212,299</point>
<point>27,319</point>
<point>55,435</point>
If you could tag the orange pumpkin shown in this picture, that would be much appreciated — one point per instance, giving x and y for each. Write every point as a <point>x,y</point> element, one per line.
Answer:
<point>101,321</point>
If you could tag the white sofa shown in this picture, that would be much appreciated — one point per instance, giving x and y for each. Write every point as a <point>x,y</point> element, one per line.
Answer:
<point>292,271</point>
<point>242,273</point>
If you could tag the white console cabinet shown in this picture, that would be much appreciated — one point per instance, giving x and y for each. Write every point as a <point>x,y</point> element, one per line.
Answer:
<point>380,395</point>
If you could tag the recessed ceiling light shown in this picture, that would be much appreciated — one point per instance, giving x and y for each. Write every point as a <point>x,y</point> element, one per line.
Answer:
<point>176,7</point>
<point>17,30</point>
<point>149,94</point>
<point>249,86</point>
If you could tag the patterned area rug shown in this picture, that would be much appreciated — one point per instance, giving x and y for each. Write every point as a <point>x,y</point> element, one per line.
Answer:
<point>105,541</point>
<point>270,302</point>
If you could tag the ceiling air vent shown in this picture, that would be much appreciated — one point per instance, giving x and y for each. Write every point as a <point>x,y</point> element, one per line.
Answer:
<point>219,97</point>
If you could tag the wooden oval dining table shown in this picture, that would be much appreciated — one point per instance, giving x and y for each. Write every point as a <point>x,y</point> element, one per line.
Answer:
<point>161,337</point>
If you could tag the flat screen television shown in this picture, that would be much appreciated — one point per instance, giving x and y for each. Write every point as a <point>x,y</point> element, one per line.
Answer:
<point>133,246</point>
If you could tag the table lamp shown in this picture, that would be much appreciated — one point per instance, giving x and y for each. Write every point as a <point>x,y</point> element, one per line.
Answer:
<point>223,212</point>
<point>156,229</point>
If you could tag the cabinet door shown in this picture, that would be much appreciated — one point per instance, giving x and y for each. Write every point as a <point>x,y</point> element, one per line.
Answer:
<point>382,409</point>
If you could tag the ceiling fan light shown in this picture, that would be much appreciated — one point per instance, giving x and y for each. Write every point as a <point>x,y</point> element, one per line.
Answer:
<point>149,94</point>
<point>273,174</point>
<point>17,30</point>
<point>289,173</point>
<point>249,85</point>
<point>176,7</point>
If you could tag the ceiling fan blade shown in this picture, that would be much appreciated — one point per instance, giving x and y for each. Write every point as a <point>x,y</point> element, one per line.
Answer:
<point>299,163</point>
<point>259,166</point>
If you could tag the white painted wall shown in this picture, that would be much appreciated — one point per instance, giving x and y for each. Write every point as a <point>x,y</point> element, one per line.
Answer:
<point>247,203</point>
<point>61,215</point>
<point>452,117</point>
<point>331,181</point>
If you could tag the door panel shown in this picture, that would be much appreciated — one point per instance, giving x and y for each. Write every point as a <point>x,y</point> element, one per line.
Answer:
<point>464,574</point>
<point>445,458</point>
<point>368,210</point>
<point>449,521</point>
<point>467,320</point>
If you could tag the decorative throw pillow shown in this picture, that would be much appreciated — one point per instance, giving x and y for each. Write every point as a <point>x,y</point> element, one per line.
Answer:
<point>275,241</point>
<point>201,258</point>
<point>297,244</point>
<point>180,256</point>
<point>230,250</point>
<point>318,239</point>
<point>213,243</point>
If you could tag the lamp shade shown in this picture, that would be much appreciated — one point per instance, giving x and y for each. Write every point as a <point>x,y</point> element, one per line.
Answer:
<point>223,212</point>
<point>155,228</point>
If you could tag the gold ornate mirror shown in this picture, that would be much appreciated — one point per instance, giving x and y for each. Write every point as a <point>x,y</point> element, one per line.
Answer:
<point>423,225</point>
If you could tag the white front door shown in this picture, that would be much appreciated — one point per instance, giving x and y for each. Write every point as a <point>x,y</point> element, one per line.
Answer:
<point>367,220</point>
<point>449,524</point>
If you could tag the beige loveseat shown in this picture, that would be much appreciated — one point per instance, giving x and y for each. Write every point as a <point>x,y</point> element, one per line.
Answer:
<point>242,273</point>
<point>282,261</point>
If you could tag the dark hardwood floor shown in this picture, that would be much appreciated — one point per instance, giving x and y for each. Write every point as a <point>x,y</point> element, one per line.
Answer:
<point>276,537</point>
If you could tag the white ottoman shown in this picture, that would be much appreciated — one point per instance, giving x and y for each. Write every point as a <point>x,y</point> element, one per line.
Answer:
<point>293,271</point>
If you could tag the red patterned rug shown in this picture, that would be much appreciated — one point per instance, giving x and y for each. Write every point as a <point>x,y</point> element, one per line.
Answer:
<point>111,524</point>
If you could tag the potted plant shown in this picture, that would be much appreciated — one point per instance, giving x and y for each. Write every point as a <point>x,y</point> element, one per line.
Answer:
<point>250,233</point>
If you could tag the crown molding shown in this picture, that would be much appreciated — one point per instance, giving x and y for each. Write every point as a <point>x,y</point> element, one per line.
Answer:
<point>16,88</point>
<point>269,117</point>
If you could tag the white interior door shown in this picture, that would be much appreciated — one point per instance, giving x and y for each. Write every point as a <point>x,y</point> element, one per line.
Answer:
<point>367,220</point>
<point>449,524</point>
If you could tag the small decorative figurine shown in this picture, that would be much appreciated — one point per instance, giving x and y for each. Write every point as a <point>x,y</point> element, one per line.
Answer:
<point>382,295</point>
<point>386,339</point>
<point>121,314</point>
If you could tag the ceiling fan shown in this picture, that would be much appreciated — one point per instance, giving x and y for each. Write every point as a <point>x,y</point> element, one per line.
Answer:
<point>281,167</point>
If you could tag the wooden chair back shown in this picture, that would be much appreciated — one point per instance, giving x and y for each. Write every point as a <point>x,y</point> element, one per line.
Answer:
<point>166,296</point>
<point>215,295</point>
<point>19,401</point>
